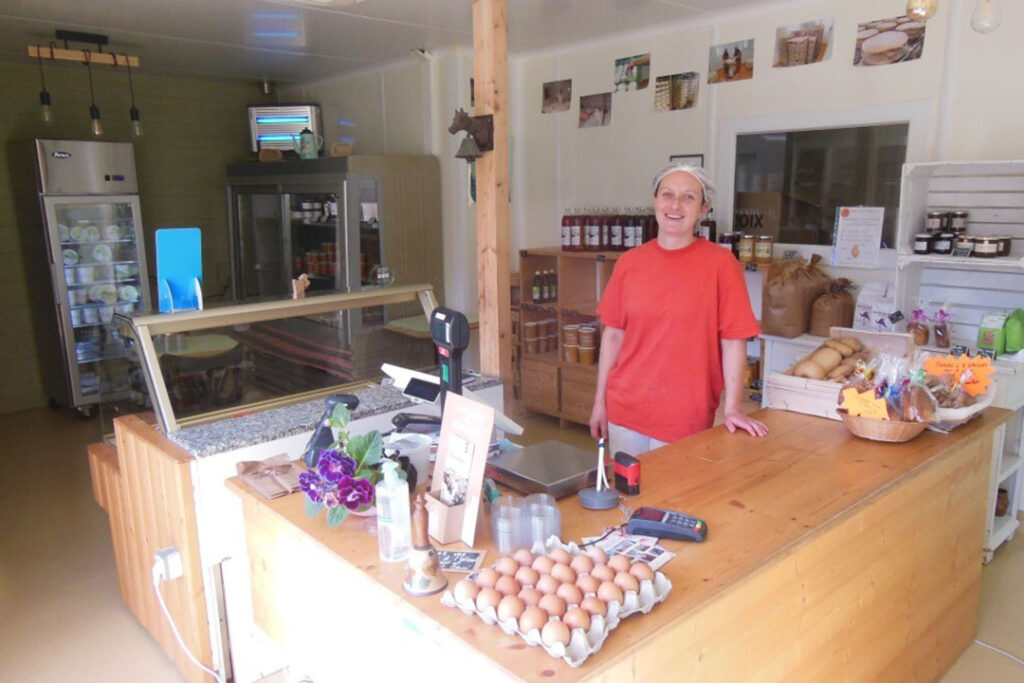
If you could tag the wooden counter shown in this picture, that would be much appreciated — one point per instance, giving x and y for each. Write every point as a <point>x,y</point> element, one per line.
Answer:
<point>827,556</point>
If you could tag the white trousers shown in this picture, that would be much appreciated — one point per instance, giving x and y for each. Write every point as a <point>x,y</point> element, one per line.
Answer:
<point>626,440</point>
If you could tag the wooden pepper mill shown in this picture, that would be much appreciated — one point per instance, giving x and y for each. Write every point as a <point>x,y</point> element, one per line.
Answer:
<point>423,574</point>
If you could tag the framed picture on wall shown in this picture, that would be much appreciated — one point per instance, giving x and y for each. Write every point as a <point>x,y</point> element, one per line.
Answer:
<point>688,159</point>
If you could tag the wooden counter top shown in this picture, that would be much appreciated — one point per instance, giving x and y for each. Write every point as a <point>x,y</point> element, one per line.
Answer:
<point>824,550</point>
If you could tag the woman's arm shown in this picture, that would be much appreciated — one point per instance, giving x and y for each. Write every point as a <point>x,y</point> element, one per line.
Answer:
<point>734,365</point>
<point>611,344</point>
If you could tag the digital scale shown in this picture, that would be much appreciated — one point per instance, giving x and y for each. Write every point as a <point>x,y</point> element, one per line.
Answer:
<point>552,467</point>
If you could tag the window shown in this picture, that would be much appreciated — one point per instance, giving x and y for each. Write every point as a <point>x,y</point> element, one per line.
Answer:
<point>788,184</point>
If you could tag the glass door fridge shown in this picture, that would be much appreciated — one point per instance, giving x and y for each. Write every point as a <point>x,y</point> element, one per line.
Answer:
<point>97,266</point>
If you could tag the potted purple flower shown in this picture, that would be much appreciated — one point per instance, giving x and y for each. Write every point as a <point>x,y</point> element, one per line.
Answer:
<point>344,477</point>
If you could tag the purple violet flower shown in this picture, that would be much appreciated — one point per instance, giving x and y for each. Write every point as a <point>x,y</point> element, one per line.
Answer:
<point>333,466</point>
<point>355,493</point>
<point>312,485</point>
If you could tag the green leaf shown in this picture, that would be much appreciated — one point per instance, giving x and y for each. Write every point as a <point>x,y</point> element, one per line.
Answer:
<point>366,450</point>
<point>375,449</point>
<point>340,416</point>
<point>313,509</point>
<point>336,516</point>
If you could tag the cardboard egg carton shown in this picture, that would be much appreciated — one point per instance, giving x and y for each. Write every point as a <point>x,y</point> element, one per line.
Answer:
<point>582,643</point>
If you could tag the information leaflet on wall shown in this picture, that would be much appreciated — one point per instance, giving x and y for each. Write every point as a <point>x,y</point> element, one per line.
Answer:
<point>856,242</point>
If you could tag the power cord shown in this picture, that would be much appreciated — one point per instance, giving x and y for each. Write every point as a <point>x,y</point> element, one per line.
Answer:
<point>1002,652</point>
<point>159,564</point>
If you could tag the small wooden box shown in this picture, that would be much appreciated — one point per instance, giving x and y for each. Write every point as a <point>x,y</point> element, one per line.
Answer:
<point>820,397</point>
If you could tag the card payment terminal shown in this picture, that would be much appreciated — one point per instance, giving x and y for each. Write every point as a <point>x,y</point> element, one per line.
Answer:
<point>667,524</point>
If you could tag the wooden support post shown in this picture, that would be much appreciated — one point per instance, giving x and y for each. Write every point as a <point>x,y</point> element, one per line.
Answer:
<point>490,47</point>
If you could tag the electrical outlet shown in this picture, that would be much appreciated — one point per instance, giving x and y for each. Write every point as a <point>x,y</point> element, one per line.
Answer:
<point>168,563</point>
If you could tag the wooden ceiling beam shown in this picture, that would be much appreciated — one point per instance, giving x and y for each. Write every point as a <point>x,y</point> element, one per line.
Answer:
<point>108,58</point>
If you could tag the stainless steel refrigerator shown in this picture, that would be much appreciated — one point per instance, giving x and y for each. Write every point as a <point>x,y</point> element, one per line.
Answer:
<point>89,206</point>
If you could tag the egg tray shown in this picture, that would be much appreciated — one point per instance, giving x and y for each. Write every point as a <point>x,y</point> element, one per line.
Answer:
<point>582,643</point>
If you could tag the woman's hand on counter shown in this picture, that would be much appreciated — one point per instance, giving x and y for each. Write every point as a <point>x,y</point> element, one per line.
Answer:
<point>735,419</point>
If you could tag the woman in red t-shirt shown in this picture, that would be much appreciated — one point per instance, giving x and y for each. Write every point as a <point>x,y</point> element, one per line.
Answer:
<point>676,317</point>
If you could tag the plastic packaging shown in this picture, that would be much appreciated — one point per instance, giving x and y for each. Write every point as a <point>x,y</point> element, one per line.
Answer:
<point>393,524</point>
<point>507,520</point>
<point>543,519</point>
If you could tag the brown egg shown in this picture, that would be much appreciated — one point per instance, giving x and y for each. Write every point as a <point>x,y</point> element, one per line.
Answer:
<point>553,605</point>
<point>523,556</point>
<point>543,564</point>
<point>577,617</point>
<point>570,593</point>
<point>597,555</point>
<point>487,577</point>
<point>555,632</point>
<point>547,584</point>
<point>533,618</point>
<point>582,564</point>
<point>619,563</point>
<point>487,597</point>
<point>530,596</point>
<point>594,606</point>
<point>587,583</point>
<point>563,573</point>
<point>466,589</point>
<point>602,572</point>
<point>642,571</point>
<point>510,607</point>
<point>506,566</point>
<point>527,576</point>
<point>627,582</point>
<point>560,555</point>
<point>506,585</point>
<point>607,591</point>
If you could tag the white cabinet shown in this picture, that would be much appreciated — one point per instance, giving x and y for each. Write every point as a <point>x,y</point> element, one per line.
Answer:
<point>993,195</point>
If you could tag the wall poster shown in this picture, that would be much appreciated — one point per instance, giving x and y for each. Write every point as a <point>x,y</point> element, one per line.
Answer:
<point>678,91</point>
<point>632,73</point>
<point>731,61</point>
<point>805,43</point>
<point>888,41</point>
<point>557,96</point>
<point>595,110</point>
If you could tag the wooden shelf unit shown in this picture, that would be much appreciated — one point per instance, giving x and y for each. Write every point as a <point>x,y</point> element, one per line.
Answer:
<point>549,384</point>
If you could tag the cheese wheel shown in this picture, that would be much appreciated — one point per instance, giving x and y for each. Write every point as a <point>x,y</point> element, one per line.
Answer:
<point>827,358</point>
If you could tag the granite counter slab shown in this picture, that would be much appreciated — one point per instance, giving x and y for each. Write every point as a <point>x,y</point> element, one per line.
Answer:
<point>276,423</point>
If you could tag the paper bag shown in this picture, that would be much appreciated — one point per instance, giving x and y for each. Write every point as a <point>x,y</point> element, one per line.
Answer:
<point>834,308</point>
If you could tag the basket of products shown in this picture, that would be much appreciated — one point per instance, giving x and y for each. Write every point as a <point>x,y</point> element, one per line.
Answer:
<point>886,399</point>
<point>874,429</point>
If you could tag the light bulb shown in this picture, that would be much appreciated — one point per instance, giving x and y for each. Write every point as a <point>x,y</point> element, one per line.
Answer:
<point>922,10</point>
<point>986,17</point>
<point>94,114</point>
<point>45,111</point>
<point>136,125</point>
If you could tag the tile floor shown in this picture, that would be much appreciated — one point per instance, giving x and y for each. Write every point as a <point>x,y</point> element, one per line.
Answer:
<point>61,610</point>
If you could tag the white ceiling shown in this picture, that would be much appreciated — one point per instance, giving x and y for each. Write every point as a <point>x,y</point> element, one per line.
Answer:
<point>301,40</point>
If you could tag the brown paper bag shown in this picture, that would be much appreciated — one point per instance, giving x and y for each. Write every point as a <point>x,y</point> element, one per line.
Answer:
<point>814,283</point>
<point>783,312</point>
<point>833,308</point>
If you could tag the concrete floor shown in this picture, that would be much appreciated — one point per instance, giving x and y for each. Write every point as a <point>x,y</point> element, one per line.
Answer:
<point>62,615</point>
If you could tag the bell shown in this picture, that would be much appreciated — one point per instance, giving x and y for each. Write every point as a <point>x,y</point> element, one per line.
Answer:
<point>423,575</point>
<point>469,150</point>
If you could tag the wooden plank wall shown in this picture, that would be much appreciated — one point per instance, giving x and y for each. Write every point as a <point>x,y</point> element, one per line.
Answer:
<point>146,488</point>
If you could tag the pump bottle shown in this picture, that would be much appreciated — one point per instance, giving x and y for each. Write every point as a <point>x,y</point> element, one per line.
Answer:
<point>392,514</point>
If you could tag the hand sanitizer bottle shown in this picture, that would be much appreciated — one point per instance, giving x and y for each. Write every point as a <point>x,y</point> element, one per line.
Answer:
<point>392,514</point>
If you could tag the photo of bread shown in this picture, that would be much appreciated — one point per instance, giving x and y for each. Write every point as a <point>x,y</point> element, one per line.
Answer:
<point>888,41</point>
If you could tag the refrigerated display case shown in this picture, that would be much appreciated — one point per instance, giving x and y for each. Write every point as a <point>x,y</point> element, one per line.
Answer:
<point>92,220</point>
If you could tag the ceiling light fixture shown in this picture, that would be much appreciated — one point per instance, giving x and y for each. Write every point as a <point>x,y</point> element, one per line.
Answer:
<point>986,17</point>
<point>133,113</point>
<point>45,111</point>
<point>94,111</point>
<point>922,10</point>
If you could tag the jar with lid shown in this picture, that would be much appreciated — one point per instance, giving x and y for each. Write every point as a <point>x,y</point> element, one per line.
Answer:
<point>958,221</point>
<point>1005,242</point>
<point>763,249</point>
<point>728,240</point>
<point>935,221</point>
<point>943,243</point>
<point>923,243</point>
<point>963,245</point>
<point>746,249</point>
<point>987,247</point>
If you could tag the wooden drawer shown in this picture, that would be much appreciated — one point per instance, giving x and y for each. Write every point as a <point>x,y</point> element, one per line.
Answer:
<point>539,382</point>
<point>578,385</point>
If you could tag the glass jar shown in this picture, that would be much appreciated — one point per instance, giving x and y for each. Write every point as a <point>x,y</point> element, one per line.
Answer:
<point>934,221</point>
<point>923,243</point>
<point>987,247</point>
<point>943,243</point>
<point>964,245</point>
<point>763,249</point>
<point>1005,242</point>
<point>746,249</point>
<point>958,221</point>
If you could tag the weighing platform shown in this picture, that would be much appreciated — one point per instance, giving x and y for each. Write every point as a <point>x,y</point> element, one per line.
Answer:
<point>552,467</point>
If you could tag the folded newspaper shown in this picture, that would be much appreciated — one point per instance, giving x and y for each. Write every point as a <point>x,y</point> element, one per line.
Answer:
<point>271,478</point>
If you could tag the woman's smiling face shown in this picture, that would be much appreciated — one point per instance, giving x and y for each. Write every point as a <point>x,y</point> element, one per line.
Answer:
<point>678,205</point>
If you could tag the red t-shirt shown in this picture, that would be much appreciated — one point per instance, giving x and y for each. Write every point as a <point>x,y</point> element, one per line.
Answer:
<point>674,306</point>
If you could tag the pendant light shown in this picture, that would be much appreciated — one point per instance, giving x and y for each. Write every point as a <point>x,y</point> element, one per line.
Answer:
<point>45,112</point>
<point>94,111</point>
<point>136,124</point>
<point>922,10</point>
<point>986,17</point>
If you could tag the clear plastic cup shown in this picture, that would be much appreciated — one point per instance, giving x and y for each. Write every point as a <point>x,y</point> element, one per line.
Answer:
<point>543,519</point>
<point>507,524</point>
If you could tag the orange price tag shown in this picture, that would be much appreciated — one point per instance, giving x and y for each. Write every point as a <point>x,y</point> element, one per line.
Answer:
<point>980,367</point>
<point>864,404</point>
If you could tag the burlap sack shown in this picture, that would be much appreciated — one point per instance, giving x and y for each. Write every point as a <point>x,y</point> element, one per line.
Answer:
<point>833,308</point>
<point>783,312</point>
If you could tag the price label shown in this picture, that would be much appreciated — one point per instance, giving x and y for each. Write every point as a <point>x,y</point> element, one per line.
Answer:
<point>864,404</point>
<point>959,350</point>
<point>962,251</point>
<point>980,367</point>
<point>988,353</point>
<point>896,317</point>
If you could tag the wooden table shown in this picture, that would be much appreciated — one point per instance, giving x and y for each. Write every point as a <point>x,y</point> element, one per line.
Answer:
<point>829,557</point>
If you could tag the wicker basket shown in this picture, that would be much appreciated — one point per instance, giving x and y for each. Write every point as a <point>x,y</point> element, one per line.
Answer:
<point>893,431</point>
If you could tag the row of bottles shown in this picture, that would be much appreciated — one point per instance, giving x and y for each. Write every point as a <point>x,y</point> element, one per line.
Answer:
<point>545,286</point>
<point>614,230</point>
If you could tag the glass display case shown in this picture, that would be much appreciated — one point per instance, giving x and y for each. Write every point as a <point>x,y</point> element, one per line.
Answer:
<point>199,366</point>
